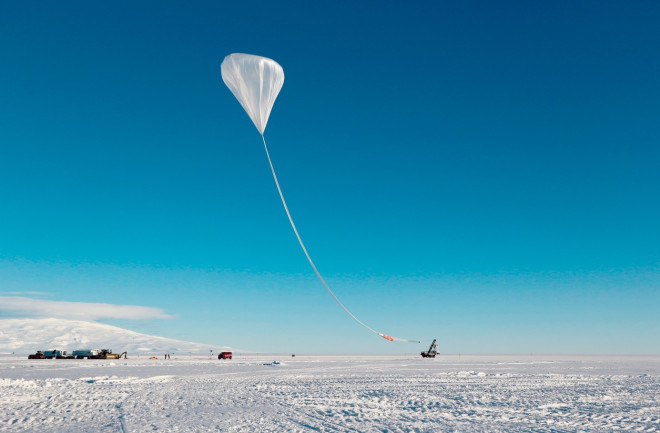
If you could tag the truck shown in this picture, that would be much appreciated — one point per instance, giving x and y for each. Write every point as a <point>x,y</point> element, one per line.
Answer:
<point>225,355</point>
<point>38,355</point>
<point>107,354</point>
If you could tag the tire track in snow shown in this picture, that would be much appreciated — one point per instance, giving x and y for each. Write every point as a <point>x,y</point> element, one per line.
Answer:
<point>331,396</point>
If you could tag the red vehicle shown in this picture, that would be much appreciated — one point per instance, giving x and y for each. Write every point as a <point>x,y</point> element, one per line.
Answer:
<point>38,355</point>
<point>225,355</point>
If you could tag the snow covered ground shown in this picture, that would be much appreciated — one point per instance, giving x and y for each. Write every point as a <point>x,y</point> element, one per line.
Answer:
<point>332,394</point>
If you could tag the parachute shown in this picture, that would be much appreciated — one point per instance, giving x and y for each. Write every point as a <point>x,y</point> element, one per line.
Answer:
<point>256,81</point>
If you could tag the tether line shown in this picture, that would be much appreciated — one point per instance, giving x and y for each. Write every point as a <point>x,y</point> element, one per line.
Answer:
<point>309,259</point>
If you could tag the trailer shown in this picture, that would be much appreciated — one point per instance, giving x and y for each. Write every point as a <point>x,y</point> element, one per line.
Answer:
<point>56,354</point>
<point>86,353</point>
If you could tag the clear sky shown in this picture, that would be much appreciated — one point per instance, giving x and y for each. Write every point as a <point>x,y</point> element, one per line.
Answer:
<point>481,173</point>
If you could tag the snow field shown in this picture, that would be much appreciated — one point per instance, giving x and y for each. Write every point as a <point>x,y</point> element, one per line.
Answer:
<point>331,394</point>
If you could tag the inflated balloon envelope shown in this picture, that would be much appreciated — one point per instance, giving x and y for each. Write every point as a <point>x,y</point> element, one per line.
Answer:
<point>256,81</point>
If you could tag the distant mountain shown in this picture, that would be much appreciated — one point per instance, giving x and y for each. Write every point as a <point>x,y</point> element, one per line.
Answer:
<point>25,336</point>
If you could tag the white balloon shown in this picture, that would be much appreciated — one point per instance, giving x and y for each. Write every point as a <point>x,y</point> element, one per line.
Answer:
<point>255,81</point>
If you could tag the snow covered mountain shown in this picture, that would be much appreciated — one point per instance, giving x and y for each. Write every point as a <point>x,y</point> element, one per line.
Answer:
<point>25,336</point>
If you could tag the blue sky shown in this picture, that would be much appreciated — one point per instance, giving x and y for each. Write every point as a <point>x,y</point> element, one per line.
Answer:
<point>484,174</point>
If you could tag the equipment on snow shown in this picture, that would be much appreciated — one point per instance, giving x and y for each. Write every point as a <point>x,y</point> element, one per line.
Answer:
<point>433,350</point>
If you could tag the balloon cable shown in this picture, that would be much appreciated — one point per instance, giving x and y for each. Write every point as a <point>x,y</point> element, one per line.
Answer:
<point>309,259</point>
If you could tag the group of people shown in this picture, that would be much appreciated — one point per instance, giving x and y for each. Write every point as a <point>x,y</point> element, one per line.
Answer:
<point>168,356</point>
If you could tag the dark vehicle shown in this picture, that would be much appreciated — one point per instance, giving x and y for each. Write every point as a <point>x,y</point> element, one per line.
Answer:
<point>107,354</point>
<point>38,355</point>
<point>225,355</point>
<point>433,350</point>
